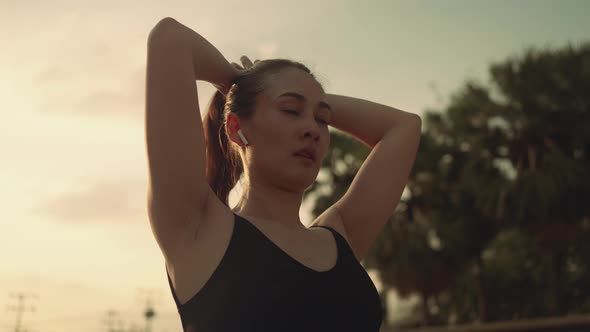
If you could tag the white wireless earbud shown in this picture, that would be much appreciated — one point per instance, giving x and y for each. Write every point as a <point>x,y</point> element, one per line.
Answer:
<point>242,136</point>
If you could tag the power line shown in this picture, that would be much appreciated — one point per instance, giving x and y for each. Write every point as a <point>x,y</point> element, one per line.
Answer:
<point>20,308</point>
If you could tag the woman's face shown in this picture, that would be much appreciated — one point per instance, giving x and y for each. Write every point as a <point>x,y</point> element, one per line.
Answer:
<point>290,114</point>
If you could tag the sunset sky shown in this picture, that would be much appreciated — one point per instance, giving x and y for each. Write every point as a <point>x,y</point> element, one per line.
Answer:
<point>75,235</point>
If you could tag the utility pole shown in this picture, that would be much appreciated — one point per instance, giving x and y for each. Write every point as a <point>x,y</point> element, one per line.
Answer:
<point>147,296</point>
<point>20,308</point>
<point>112,321</point>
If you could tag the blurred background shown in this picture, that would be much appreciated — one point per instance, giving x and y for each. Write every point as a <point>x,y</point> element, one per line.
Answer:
<point>492,226</point>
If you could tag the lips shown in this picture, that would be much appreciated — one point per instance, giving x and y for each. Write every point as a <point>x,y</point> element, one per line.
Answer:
<point>307,152</point>
<point>304,155</point>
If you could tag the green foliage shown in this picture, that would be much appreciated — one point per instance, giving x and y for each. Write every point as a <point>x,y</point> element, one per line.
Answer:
<point>498,216</point>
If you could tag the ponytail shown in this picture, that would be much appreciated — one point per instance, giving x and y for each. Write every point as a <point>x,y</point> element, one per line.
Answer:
<point>224,165</point>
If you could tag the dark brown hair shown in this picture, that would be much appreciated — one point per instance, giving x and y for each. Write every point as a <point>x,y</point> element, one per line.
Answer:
<point>224,165</point>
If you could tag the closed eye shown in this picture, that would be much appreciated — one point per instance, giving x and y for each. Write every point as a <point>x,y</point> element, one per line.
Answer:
<point>297,113</point>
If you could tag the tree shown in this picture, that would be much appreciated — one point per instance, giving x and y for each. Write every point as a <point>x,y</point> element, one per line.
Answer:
<point>498,197</point>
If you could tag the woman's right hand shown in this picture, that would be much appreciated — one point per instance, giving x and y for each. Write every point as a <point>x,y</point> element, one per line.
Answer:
<point>224,87</point>
<point>246,63</point>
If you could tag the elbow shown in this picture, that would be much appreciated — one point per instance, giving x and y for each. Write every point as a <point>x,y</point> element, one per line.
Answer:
<point>410,124</point>
<point>164,23</point>
<point>416,118</point>
<point>419,121</point>
<point>412,120</point>
<point>163,27</point>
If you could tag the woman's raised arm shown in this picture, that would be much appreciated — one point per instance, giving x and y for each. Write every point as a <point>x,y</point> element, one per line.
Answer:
<point>177,188</point>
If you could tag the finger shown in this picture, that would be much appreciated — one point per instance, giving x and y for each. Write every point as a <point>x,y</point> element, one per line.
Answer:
<point>247,63</point>
<point>236,65</point>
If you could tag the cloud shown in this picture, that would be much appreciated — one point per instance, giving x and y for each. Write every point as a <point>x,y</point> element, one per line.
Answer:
<point>102,202</point>
<point>118,95</point>
<point>111,102</point>
<point>90,63</point>
<point>268,50</point>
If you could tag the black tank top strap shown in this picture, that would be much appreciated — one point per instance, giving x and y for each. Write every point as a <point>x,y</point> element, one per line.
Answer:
<point>176,300</point>
<point>340,241</point>
<point>344,248</point>
<point>332,230</point>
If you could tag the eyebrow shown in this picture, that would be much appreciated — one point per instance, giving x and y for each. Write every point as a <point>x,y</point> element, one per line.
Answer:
<point>302,98</point>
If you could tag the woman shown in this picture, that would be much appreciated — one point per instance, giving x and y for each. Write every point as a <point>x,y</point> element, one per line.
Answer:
<point>257,267</point>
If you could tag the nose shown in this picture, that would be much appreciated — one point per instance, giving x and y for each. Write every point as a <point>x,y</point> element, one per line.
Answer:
<point>313,130</point>
<point>314,136</point>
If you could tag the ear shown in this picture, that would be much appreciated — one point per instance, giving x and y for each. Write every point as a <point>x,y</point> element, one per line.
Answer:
<point>231,128</point>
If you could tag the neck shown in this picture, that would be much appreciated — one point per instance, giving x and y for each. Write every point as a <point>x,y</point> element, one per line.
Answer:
<point>272,205</point>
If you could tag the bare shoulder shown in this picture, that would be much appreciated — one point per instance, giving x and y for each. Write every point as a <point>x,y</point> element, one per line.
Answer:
<point>332,219</point>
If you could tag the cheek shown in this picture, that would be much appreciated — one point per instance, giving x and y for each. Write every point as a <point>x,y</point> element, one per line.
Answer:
<point>272,152</point>
<point>278,140</point>
<point>326,143</point>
